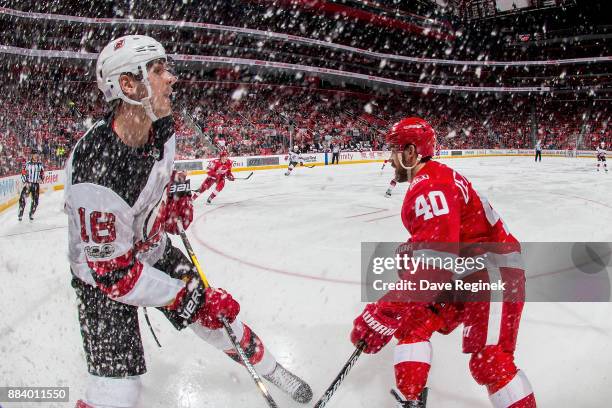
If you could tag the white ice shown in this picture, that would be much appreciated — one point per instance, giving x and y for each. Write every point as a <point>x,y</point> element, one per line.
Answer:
<point>289,249</point>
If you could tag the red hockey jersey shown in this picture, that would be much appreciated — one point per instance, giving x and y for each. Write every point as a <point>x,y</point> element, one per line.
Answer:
<point>448,219</point>
<point>218,169</point>
<point>442,206</point>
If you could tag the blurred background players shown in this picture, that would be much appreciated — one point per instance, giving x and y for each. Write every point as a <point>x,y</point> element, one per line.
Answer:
<point>335,148</point>
<point>538,151</point>
<point>392,185</point>
<point>294,158</point>
<point>601,156</point>
<point>32,175</point>
<point>218,170</point>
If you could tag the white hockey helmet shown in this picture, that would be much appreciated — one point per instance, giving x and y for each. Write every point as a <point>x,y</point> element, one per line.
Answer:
<point>295,148</point>
<point>128,54</point>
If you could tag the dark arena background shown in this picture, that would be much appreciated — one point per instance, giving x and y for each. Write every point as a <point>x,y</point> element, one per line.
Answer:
<point>260,78</point>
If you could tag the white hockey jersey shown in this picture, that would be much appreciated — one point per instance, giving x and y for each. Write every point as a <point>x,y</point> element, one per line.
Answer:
<point>601,153</point>
<point>115,197</point>
<point>295,157</point>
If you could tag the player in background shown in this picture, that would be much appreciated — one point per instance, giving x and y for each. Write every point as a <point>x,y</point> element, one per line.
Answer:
<point>538,151</point>
<point>441,207</point>
<point>120,212</point>
<point>32,174</point>
<point>601,156</point>
<point>392,183</point>
<point>218,170</point>
<point>294,158</point>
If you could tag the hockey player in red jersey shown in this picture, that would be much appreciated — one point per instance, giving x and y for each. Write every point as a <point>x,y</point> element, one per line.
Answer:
<point>445,215</point>
<point>120,211</point>
<point>218,170</point>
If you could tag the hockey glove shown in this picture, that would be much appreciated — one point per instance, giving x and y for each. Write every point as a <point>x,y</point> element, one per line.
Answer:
<point>188,302</point>
<point>194,303</point>
<point>374,328</point>
<point>218,304</point>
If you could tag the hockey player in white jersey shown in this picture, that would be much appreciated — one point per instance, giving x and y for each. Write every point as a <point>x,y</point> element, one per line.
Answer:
<point>294,158</point>
<point>393,182</point>
<point>120,212</point>
<point>601,156</point>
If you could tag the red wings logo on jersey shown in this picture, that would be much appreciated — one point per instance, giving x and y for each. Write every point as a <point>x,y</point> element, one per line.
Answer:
<point>119,44</point>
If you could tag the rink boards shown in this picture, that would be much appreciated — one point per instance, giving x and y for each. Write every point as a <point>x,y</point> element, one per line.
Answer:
<point>11,186</point>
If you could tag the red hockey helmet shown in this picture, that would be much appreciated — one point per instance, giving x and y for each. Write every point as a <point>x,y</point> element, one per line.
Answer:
<point>415,131</point>
<point>223,152</point>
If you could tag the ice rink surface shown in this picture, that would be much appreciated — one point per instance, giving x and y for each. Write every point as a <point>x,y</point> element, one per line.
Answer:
<point>289,249</point>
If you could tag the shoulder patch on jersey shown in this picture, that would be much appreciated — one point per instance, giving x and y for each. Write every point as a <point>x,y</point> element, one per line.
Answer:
<point>417,180</point>
<point>461,183</point>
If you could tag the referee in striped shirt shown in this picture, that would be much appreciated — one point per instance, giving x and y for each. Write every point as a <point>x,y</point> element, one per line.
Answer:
<point>32,175</point>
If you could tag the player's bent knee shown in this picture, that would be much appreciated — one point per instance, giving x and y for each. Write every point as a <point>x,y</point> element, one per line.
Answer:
<point>492,365</point>
<point>113,392</point>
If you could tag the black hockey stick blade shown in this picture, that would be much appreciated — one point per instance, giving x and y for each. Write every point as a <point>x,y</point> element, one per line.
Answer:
<point>331,390</point>
<point>244,178</point>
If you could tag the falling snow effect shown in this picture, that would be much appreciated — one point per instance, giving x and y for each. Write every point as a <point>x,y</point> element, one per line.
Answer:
<point>267,75</point>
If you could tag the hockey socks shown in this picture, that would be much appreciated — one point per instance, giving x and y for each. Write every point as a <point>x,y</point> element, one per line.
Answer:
<point>263,361</point>
<point>254,350</point>
<point>392,185</point>
<point>258,355</point>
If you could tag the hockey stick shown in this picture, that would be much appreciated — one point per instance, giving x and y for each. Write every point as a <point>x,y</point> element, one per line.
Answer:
<point>340,377</point>
<point>244,178</point>
<point>230,332</point>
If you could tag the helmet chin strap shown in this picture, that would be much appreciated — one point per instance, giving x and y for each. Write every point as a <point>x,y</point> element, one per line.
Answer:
<point>146,101</point>
<point>401,162</point>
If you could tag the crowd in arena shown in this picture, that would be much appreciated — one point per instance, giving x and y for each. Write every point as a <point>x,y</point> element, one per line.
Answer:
<point>231,42</point>
<point>258,119</point>
<point>49,103</point>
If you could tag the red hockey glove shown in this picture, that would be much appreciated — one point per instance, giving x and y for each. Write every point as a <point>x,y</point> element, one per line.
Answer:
<point>194,303</point>
<point>218,304</point>
<point>179,207</point>
<point>373,328</point>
